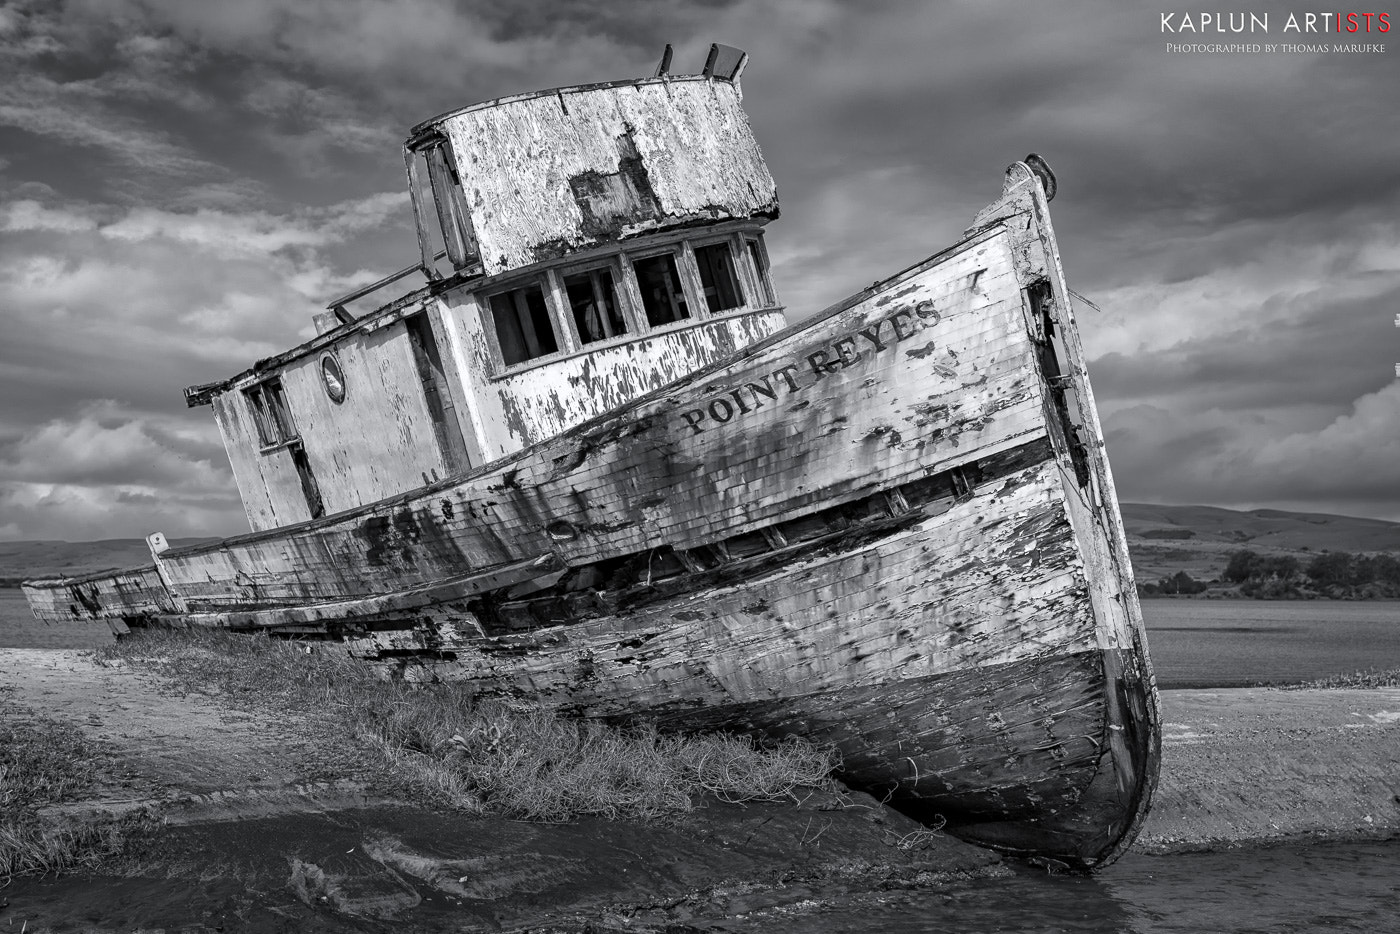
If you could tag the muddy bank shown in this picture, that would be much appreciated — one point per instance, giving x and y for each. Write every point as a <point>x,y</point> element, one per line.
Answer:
<point>403,868</point>
<point>269,824</point>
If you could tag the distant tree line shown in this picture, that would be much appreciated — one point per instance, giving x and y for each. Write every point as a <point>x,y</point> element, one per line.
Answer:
<point>1336,574</point>
<point>1178,583</point>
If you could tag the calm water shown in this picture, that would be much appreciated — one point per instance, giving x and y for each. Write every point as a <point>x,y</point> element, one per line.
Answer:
<point>1351,888</point>
<point>1233,643</point>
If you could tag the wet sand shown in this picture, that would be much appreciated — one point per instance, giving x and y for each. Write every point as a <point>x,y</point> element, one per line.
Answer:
<point>270,824</point>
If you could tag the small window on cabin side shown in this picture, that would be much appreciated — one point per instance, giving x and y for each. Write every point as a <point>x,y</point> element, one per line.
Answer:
<point>523,328</point>
<point>270,413</point>
<point>662,294</point>
<point>593,300</point>
<point>760,267</point>
<point>718,277</point>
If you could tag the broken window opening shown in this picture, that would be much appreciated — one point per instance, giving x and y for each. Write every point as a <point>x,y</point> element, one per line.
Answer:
<point>663,297</point>
<point>718,277</point>
<point>524,330</point>
<point>759,254</point>
<point>270,413</point>
<point>593,300</point>
<point>1063,396</point>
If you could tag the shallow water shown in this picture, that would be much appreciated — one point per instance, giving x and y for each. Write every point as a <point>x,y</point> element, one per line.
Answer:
<point>1351,888</point>
<point>1236,643</point>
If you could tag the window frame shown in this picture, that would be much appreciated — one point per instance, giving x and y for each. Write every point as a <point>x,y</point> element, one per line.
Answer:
<point>634,321</point>
<point>272,417</point>
<point>756,256</point>
<point>735,267</point>
<point>688,276</point>
<point>562,333</point>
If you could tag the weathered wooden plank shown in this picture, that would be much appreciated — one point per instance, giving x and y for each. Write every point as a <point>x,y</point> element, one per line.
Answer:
<point>110,595</point>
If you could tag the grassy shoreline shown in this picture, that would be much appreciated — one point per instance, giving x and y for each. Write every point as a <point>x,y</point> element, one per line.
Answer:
<point>435,742</point>
<point>429,745</point>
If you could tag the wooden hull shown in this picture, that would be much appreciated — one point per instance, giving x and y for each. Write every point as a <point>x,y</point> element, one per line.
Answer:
<point>891,528</point>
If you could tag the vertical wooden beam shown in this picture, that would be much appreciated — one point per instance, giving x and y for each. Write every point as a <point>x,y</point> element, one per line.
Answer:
<point>631,294</point>
<point>557,299</point>
<point>694,289</point>
<point>415,191</point>
<point>455,384</point>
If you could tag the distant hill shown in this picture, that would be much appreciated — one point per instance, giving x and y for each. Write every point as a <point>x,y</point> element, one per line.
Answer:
<point>1199,539</point>
<point>35,559</point>
<point>1162,539</point>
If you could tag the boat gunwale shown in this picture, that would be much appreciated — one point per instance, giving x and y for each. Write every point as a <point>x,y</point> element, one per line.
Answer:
<point>51,583</point>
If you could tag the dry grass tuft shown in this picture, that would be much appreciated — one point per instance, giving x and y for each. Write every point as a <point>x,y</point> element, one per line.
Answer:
<point>483,757</point>
<point>44,762</point>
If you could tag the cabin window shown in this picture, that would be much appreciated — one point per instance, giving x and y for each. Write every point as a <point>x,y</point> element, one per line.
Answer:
<point>523,327</point>
<point>269,405</point>
<point>663,297</point>
<point>333,378</point>
<point>718,277</point>
<point>759,254</point>
<point>593,301</point>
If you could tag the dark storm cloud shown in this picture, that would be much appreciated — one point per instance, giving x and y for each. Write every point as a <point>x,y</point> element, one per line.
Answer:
<point>185,184</point>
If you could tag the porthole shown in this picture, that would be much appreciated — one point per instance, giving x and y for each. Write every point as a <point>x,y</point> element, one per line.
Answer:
<point>333,379</point>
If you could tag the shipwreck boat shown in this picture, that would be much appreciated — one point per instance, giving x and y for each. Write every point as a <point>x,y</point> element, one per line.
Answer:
<point>589,467</point>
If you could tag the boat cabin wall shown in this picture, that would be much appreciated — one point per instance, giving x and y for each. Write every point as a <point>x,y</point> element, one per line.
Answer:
<point>298,453</point>
<point>549,348</point>
<point>534,178</point>
<point>489,366</point>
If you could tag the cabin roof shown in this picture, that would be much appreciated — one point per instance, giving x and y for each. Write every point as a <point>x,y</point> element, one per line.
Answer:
<point>427,126</point>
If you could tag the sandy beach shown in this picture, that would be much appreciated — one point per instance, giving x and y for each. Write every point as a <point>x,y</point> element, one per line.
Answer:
<point>263,803</point>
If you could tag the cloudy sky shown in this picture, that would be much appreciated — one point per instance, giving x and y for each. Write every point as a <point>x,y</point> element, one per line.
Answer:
<point>183,184</point>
